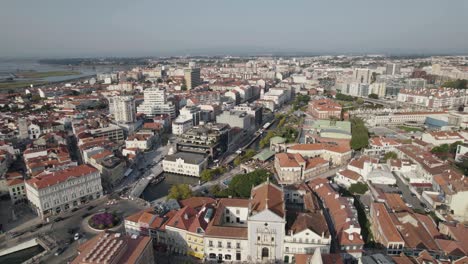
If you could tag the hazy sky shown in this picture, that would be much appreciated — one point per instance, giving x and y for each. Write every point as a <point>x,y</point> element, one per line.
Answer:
<point>66,28</point>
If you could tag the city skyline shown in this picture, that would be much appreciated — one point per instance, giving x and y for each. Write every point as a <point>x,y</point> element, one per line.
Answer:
<point>118,28</point>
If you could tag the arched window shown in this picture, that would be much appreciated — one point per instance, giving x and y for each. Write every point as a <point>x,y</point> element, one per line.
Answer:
<point>212,256</point>
<point>227,257</point>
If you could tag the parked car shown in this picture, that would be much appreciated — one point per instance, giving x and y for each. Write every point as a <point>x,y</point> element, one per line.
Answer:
<point>39,225</point>
<point>60,250</point>
<point>91,207</point>
<point>58,219</point>
<point>75,209</point>
<point>76,236</point>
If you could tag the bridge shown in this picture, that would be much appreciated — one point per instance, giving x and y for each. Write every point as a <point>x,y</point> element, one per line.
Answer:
<point>27,244</point>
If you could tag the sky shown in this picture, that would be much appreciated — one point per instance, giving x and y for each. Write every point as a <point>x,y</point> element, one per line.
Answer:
<point>87,28</point>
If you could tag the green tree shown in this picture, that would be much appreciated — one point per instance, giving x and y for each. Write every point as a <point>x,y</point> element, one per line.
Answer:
<point>457,84</point>
<point>241,184</point>
<point>266,140</point>
<point>180,192</point>
<point>359,134</point>
<point>359,188</point>
<point>373,96</point>
<point>441,149</point>
<point>390,155</point>
<point>463,164</point>
<point>359,101</point>
<point>206,175</point>
<point>453,147</point>
<point>344,97</point>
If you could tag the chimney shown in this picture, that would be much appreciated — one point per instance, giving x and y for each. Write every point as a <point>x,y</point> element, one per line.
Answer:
<point>351,237</point>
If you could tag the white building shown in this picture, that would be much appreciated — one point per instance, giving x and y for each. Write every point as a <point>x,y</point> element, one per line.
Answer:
<point>442,137</point>
<point>156,103</point>
<point>34,131</point>
<point>462,150</point>
<point>51,193</point>
<point>123,109</point>
<point>139,141</point>
<point>185,163</point>
<point>181,124</point>
<point>378,88</point>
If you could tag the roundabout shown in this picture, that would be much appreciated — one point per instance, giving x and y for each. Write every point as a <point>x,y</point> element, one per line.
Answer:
<point>104,221</point>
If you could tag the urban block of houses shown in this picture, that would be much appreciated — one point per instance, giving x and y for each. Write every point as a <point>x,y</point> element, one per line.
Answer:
<point>233,229</point>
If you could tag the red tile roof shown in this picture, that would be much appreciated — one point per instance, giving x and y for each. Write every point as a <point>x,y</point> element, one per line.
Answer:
<point>54,178</point>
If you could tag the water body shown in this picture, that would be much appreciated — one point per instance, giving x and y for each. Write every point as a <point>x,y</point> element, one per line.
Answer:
<point>21,256</point>
<point>156,191</point>
<point>8,66</point>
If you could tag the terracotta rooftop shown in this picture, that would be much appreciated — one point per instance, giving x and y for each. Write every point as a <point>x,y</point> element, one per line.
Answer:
<point>267,196</point>
<point>54,178</point>
<point>116,248</point>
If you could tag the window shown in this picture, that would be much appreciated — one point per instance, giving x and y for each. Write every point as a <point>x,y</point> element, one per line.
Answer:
<point>258,238</point>
<point>220,244</point>
<point>238,256</point>
<point>272,239</point>
<point>237,245</point>
<point>228,244</point>
<point>287,249</point>
<point>237,211</point>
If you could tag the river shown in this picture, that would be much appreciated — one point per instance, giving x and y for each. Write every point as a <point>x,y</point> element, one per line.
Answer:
<point>8,66</point>
<point>156,191</point>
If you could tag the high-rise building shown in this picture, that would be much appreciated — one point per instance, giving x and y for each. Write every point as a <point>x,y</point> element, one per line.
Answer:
<point>362,75</point>
<point>123,109</point>
<point>156,103</point>
<point>392,69</point>
<point>192,77</point>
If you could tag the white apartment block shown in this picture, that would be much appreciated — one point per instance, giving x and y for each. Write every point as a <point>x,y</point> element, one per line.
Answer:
<point>181,125</point>
<point>362,75</point>
<point>156,103</point>
<point>185,163</point>
<point>378,88</point>
<point>278,96</point>
<point>434,98</point>
<point>55,192</point>
<point>124,109</point>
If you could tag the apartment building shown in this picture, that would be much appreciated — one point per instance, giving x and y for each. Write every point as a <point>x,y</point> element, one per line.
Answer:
<point>192,78</point>
<point>447,98</point>
<point>211,139</point>
<point>384,230</point>
<point>156,103</point>
<point>123,109</point>
<point>55,192</point>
